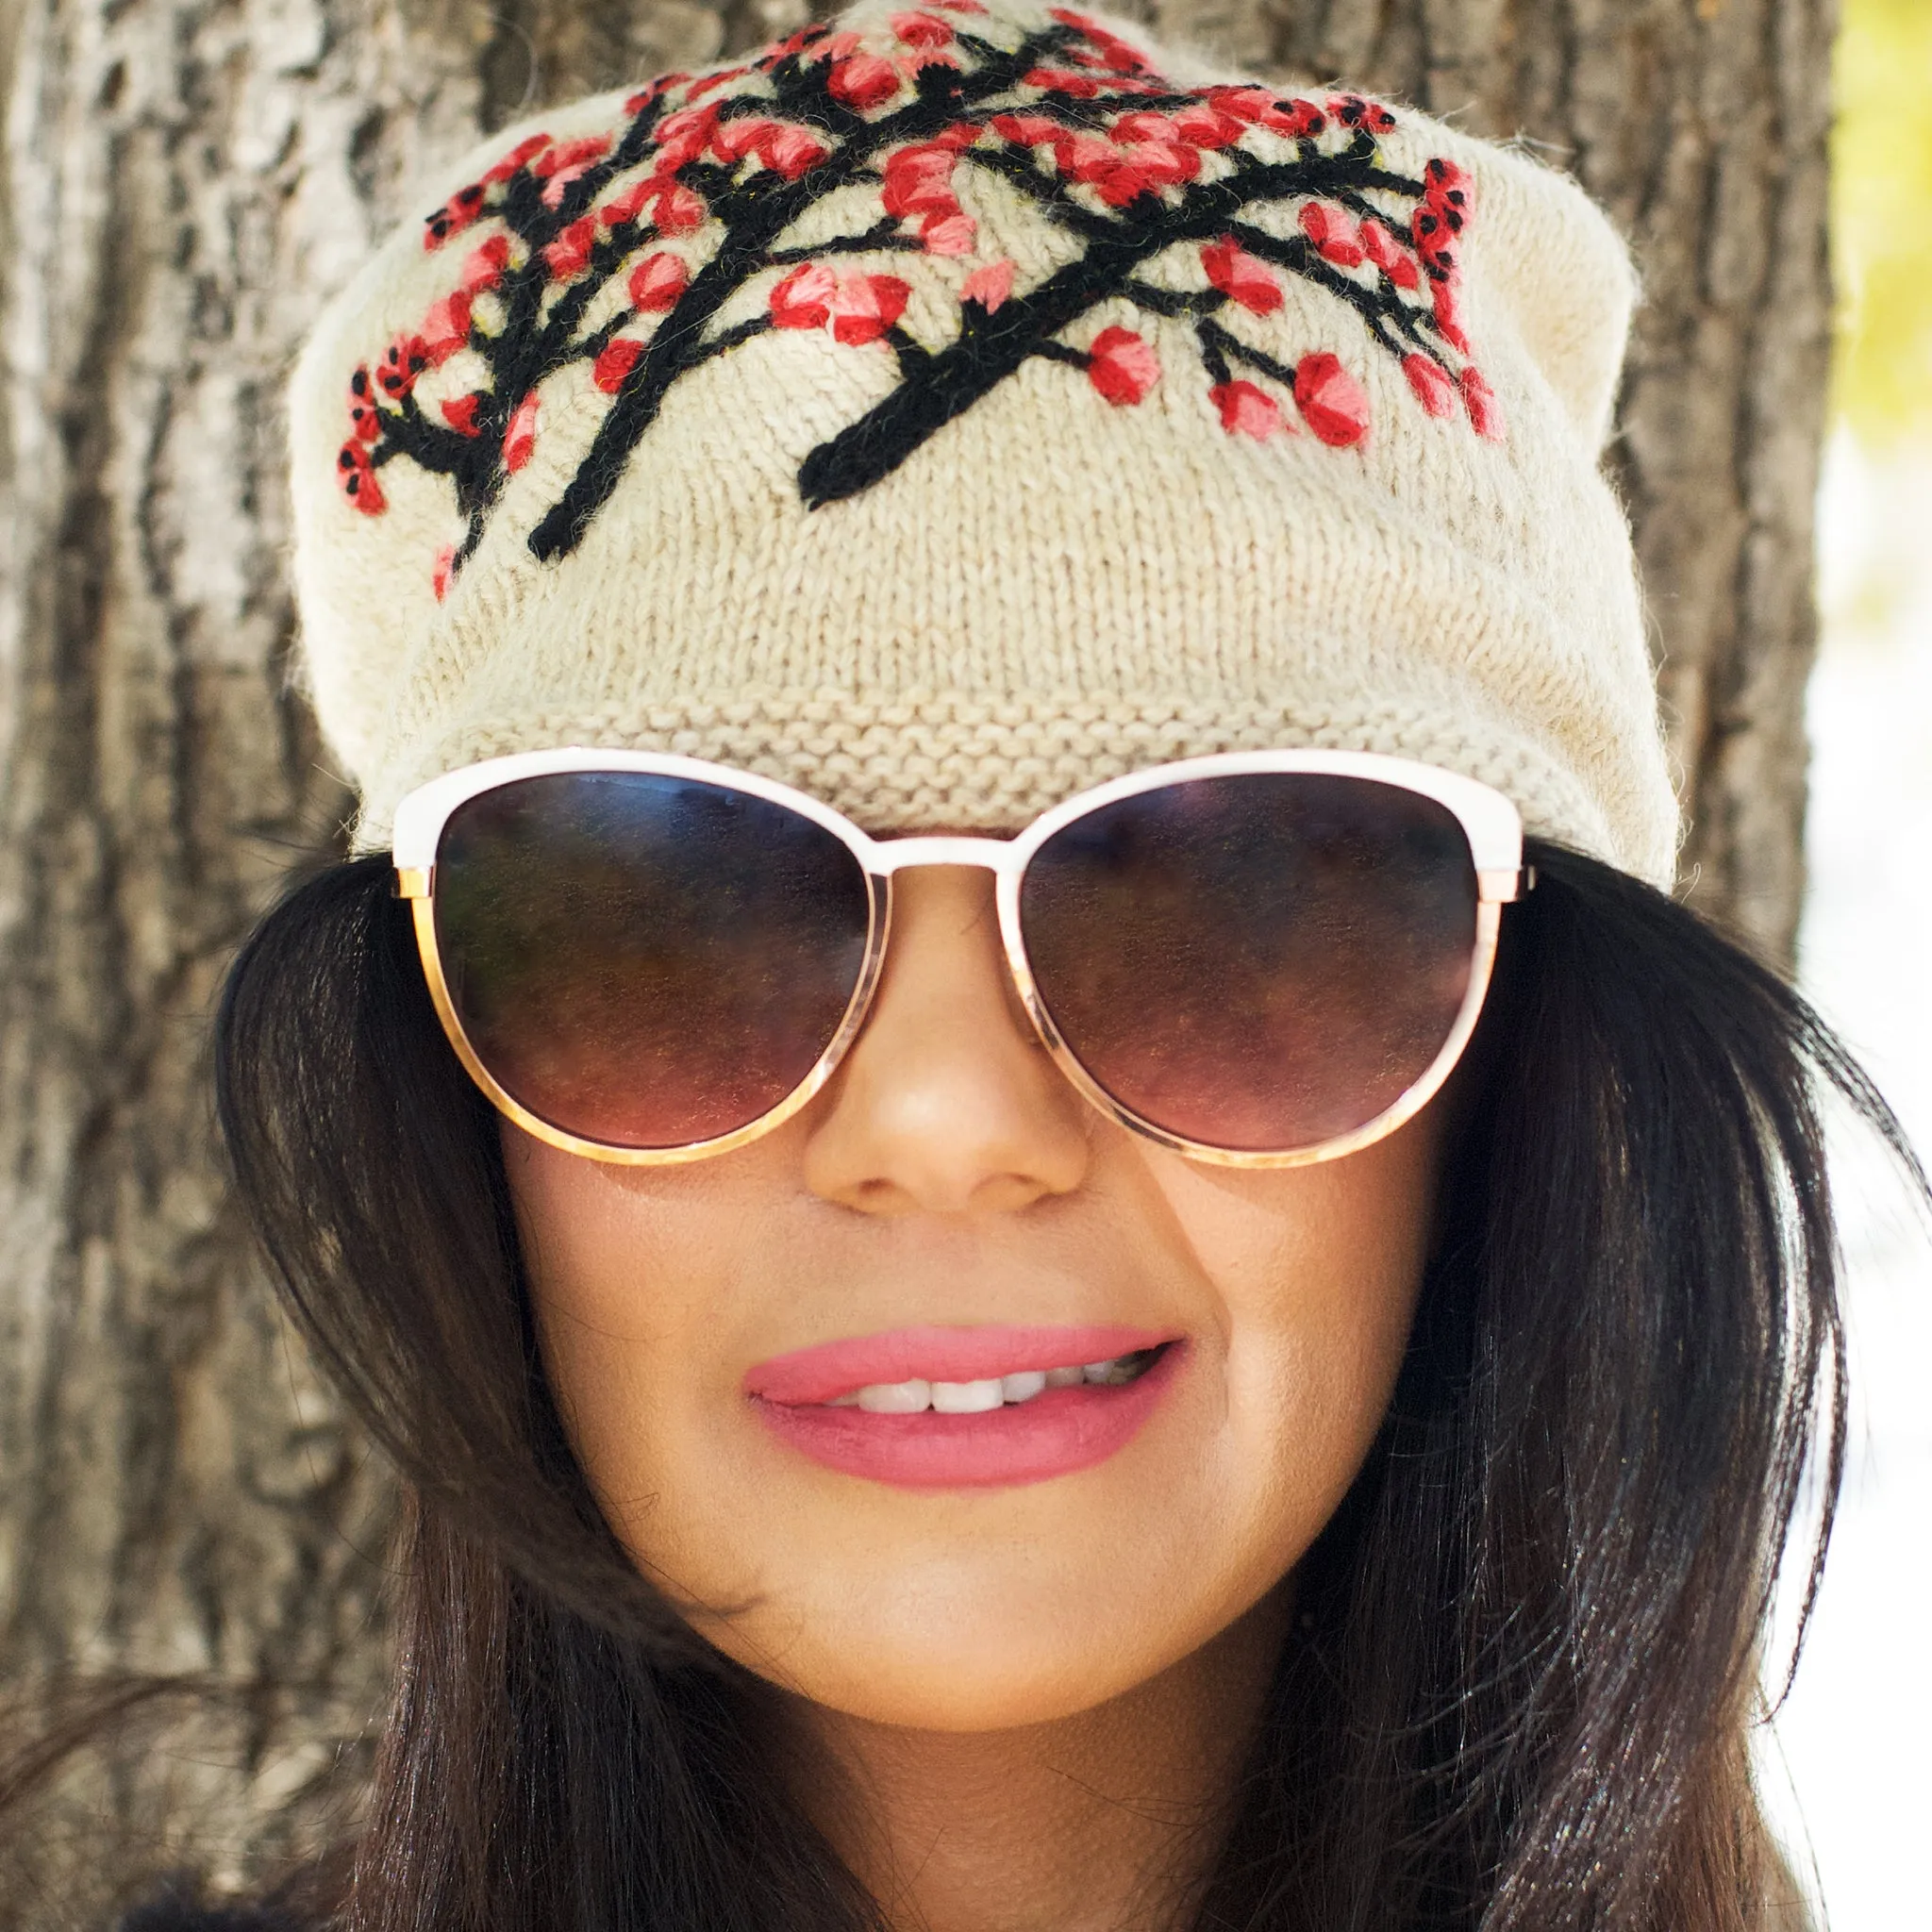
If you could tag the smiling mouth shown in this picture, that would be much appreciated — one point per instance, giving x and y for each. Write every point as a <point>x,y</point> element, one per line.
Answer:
<point>916,1395</point>
<point>967,1408</point>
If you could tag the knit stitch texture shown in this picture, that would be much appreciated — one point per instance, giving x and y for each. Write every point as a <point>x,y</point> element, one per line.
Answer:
<point>944,410</point>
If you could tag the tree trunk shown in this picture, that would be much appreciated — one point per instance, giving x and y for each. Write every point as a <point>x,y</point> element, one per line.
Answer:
<point>186,181</point>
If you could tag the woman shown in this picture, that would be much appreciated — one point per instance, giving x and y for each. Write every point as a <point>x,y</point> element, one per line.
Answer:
<point>1025,1268</point>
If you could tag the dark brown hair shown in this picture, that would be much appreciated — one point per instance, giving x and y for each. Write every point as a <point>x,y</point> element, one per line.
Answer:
<point>1526,1660</point>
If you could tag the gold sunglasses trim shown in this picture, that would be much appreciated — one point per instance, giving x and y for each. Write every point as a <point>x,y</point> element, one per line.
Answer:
<point>1490,821</point>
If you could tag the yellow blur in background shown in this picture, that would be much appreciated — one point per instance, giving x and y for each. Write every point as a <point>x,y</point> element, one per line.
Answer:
<point>1845,1765</point>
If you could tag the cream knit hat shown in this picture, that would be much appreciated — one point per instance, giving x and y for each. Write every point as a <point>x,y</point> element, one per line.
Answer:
<point>947,410</point>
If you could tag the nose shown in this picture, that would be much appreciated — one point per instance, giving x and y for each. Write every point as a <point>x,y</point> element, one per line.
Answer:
<point>946,1103</point>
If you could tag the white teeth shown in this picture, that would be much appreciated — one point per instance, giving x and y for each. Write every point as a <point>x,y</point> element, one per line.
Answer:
<point>975,1398</point>
<point>967,1398</point>
<point>896,1398</point>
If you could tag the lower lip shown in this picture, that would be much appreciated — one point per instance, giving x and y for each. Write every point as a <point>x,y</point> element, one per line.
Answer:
<point>1058,1432</point>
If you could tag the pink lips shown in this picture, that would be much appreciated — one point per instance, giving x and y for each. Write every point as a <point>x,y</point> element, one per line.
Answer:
<point>1054,1434</point>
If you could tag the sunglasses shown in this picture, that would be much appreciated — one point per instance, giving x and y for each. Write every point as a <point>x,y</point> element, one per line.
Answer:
<point>1260,959</point>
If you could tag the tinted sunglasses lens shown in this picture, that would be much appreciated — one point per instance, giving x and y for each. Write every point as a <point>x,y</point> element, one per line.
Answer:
<point>1259,963</point>
<point>642,960</point>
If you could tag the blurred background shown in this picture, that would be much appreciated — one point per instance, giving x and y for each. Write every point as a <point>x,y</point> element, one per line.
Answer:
<point>1846,1759</point>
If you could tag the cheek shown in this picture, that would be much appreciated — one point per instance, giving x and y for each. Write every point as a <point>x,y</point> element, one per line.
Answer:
<point>1317,1270</point>
<point>655,1292</point>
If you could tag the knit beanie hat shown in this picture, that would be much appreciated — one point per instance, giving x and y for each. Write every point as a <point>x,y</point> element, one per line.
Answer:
<point>946,410</point>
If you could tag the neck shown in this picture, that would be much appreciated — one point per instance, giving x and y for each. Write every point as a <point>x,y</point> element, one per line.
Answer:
<point>1106,1820</point>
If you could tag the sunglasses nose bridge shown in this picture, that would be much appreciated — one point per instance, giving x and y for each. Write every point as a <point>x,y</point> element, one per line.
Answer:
<point>891,855</point>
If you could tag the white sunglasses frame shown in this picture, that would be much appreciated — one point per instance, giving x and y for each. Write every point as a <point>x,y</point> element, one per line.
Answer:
<point>1489,820</point>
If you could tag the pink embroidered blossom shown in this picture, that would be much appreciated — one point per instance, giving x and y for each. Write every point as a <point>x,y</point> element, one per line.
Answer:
<point>802,299</point>
<point>989,286</point>
<point>921,30</point>
<point>520,434</point>
<point>486,265</point>
<point>513,162</point>
<point>863,307</point>
<point>1333,232</point>
<point>1434,386</point>
<point>356,473</point>
<point>1240,277</point>
<point>948,234</point>
<point>1390,255</point>
<point>1121,365</point>
<point>614,362</point>
<point>459,413</point>
<point>789,151</point>
<point>569,255</point>
<point>445,329</point>
<point>656,283</point>
<point>566,162</point>
<point>678,210</point>
<point>1485,412</point>
<point>864,80</point>
<point>1246,411</point>
<point>1332,401</point>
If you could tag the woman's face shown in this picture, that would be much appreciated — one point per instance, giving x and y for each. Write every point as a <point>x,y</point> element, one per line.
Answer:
<point>967,1571</point>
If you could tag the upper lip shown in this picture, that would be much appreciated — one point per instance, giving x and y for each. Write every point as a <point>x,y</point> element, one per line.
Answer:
<point>939,1354</point>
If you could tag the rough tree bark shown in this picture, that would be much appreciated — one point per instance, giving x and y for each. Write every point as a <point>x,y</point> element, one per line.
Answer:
<point>185,180</point>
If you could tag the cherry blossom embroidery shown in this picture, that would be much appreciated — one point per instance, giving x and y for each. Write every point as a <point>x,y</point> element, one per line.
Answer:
<point>1131,169</point>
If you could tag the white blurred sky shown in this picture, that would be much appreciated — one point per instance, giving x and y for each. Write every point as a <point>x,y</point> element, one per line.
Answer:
<point>1848,1768</point>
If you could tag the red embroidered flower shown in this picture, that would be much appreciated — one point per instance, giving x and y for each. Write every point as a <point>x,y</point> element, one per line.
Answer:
<point>1206,125</point>
<point>918,181</point>
<point>486,265</point>
<point>445,567</point>
<point>614,362</point>
<point>657,282</point>
<point>1297,120</point>
<point>568,162</point>
<point>789,151</point>
<point>679,210</point>
<point>1112,51</point>
<point>1028,130</point>
<point>1353,110</point>
<point>356,475</point>
<point>520,436</point>
<point>1240,277</point>
<point>459,413</point>
<point>569,255</point>
<point>948,234</point>
<point>445,329</point>
<point>1331,401</point>
<point>402,362</point>
<point>989,286</point>
<point>863,307</point>
<point>365,419</point>
<point>454,216</point>
<point>1333,234</point>
<point>512,163</point>
<point>863,80</point>
<point>1434,386</point>
<point>803,299</point>
<point>1390,255</point>
<point>684,136</point>
<point>1485,412</point>
<point>1444,299</point>
<point>922,30</point>
<point>1246,411</point>
<point>1081,86</point>
<point>1121,365</point>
